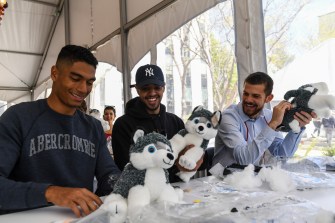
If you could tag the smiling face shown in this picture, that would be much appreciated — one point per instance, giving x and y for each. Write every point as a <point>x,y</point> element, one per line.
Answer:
<point>109,115</point>
<point>254,98</point>
<point>71,85</point>
<point>151,95</point>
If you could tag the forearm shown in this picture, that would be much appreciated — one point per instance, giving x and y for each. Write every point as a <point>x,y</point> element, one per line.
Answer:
<point>288,146</point>
<point>106,172</point>
<point>18,195</point>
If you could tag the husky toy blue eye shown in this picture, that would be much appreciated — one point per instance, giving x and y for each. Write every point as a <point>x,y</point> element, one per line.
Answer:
<point>144,179</point>
<point>308,98</point>
<point>200,127</point>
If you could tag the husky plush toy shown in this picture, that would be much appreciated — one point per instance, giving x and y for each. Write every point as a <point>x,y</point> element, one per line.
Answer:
<point>200,127</point>
<point>144,179</point>
<point>308,98</point>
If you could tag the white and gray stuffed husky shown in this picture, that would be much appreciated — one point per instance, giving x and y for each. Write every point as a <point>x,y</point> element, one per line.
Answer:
<point>200,127</point>
<point>143,180</point>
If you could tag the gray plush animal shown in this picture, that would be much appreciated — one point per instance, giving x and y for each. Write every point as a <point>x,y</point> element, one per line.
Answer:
<point>144,179</point>
<point>200,127</point>
<point>308,98</point>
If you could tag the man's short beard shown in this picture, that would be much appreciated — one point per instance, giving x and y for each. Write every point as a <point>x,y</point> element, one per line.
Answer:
<point>257,111</point>
<point>153,109</point>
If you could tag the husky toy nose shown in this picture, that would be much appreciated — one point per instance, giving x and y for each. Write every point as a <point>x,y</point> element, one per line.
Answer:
<point>201,128</point>
<point>170,156</point>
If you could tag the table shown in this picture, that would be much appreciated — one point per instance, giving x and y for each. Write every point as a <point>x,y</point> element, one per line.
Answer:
<point>324,198</point>
<point>39,215</point>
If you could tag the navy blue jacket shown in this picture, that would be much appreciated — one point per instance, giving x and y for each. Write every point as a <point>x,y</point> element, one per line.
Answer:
<point>136,117</point>
<point>40,147</point>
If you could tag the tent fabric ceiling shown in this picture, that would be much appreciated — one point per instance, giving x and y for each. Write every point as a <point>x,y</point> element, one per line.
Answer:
<point>151,31</point>
<point>23,33</point>
<point>33,31</point>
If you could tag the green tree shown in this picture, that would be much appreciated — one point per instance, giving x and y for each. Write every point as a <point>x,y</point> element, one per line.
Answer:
<point>326,26</point>
<point>278,17</point>
<point>218,53</point>
<point>210,38</point>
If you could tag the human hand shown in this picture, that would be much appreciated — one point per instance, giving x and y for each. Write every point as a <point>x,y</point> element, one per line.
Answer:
<point>278,114</point>
<point>181,168</point>
<point>304,118</point>
<point>78,199</point>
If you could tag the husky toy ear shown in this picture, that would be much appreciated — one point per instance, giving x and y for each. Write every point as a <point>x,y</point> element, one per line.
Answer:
<point>139,133</point>
<point>198,108</point>
<point>216,119</point>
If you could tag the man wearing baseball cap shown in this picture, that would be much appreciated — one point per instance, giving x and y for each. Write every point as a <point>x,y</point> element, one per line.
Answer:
<point>145,111</point>
<point>149,74</point>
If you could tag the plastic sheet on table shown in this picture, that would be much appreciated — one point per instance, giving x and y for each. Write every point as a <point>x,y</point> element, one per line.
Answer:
<point>308,165</point>
<point>313,180</point>
<point>213,200</point>
<point>310,172</point>
<point>246,208</point>
<point>99,216</point>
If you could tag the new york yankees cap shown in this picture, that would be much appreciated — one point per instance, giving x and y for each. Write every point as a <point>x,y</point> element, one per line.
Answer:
<point>149,74</point>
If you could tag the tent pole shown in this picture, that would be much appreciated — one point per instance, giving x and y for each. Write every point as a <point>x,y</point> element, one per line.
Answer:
<point>67,22</point>
<point>249,39</point>
<point>126,77</point>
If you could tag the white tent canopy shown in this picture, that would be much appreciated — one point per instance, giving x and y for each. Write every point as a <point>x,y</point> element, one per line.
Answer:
<point>119,32</point>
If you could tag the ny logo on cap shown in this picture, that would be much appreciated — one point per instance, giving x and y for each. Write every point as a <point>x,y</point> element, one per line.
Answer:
<point>149,72</point>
